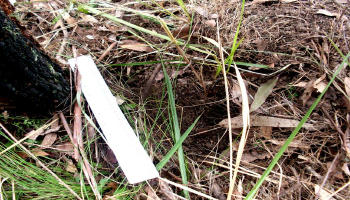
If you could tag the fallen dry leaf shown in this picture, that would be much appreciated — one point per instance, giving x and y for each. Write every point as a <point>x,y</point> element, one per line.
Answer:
<point>41,131</point>
<point>182,32</point>
<point>66,17</point>
<point>266,132</point>
<point>254,155</point>
<point>48,140</point>
<point>288,1</point>
<point>263,92</point>
<point>38,152</point>
<point>90,37</point>
<point>66,147</point>
<point>109,156</point>
<point>345,169</point>
<point>238,193</point>
<point>323,194</point>
<point>346,142</point>
<point>151,194</point>
<point>211,23</point>
<point>342,1</point>
<point>327,13</point>
<point>39,4</point>
<point>256,120</point>
<point>301,84</point>
<point>88,18</point>
<point>216,190</point>
<point>70,166</point>
<point>295,143</point>
<point>319,84</point>
<point>309,88</point>
<point>347,85</point>
<point>201,11</point>
<point>33,137</point>
<point>261,1</point>
<point>166,190</point>
<point>136,46</point>
<point>236,93</point>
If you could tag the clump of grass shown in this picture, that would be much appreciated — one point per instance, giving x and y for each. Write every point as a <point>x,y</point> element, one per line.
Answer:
<point>31,181</point>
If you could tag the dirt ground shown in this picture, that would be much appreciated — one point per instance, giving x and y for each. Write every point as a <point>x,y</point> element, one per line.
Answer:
<point>299,42</point>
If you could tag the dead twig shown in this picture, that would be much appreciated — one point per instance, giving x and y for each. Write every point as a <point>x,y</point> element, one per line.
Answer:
<point>106,52</point>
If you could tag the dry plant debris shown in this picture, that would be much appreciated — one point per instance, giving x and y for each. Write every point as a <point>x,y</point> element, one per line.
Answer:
<point>298,42</point>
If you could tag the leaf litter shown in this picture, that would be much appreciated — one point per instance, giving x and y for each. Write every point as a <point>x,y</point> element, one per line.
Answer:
<point>275,34</point>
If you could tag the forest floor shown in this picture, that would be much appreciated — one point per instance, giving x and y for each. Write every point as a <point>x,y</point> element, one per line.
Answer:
<point>286,51</point>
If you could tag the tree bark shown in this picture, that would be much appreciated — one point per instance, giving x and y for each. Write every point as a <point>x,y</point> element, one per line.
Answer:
<point>27,75</point>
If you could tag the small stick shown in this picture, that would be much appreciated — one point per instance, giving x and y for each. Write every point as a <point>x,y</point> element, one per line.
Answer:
<point>65,125</point>
<point>107,51</point>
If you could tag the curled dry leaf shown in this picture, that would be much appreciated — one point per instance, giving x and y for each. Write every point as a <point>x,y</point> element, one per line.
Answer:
<point>136,46</point>
<point>33,137</point>
<point>256,120</point>
<point>319,84</point>
<point>310,86</point>
<point>41,131</point>
<point>236,93</point>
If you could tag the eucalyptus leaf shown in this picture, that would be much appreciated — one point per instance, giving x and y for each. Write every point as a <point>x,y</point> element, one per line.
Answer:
<point>263,92</point>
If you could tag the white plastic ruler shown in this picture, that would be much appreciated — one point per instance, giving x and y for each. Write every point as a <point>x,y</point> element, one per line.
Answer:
<point>132,157</point>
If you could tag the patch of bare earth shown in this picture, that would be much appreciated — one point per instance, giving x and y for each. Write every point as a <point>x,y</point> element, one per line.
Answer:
<point>293,38</point>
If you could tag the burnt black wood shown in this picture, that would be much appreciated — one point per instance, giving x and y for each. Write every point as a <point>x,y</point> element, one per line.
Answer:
<point>27,75</point>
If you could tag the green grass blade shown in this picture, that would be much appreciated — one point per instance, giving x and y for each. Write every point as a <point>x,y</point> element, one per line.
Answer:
<point>167,157</point>
<point>274,161</point>
<point>235,45</point>
<point>183,7</point>
<point>176,128</point>
<point>88,9</point>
